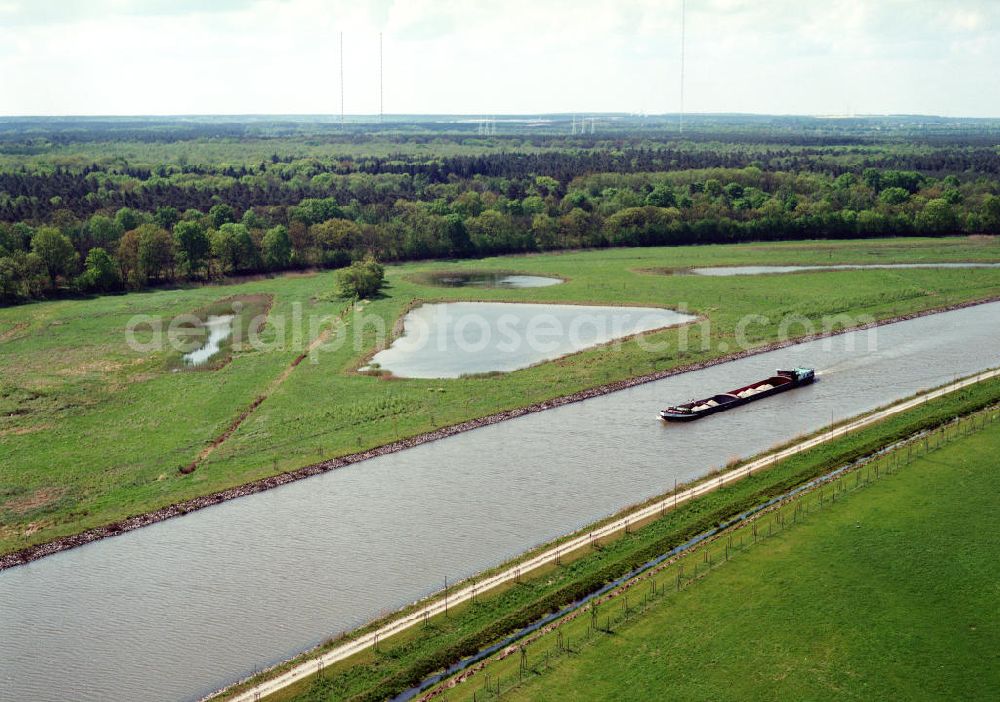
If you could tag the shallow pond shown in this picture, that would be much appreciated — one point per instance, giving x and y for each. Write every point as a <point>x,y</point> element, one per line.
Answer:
<point>452,339</point>
<point>763,270</point>
<point>493,280</point>
<point>175,610</point>
<point>220,328</point>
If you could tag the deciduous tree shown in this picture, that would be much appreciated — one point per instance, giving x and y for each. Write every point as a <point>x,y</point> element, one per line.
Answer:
<point>361,279</point>
<point>221,214</point>
<point>193,246</point>
<point>991,214</point>
<point>56,253</point>
<point>276,248</point>
<point>156,251</point>
<point>937,217</point>
<point>100,272</point>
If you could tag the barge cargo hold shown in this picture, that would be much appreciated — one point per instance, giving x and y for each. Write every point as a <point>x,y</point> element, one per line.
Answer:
<point>780,382</point>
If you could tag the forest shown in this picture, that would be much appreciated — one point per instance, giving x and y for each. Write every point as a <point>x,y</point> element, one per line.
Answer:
<point>97,207</point>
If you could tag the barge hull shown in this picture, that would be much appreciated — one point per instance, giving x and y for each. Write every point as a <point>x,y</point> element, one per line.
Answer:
<point>780,382</point>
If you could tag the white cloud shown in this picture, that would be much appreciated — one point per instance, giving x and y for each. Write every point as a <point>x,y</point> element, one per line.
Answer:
<point>446,56</point>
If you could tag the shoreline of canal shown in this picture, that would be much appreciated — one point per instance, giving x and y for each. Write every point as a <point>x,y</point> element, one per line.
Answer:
<point>32,553</point>
<point>638,516</point>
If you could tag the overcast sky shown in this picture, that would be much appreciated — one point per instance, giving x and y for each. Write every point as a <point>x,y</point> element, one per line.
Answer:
<point>502,56</point>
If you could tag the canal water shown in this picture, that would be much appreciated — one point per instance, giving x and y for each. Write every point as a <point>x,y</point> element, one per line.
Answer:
<point>175,610</point>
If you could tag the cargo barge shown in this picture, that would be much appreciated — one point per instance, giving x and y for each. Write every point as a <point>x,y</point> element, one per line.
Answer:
<point>780,382</point>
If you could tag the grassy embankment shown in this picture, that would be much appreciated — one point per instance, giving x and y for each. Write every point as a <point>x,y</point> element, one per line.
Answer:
<point>92,431</point>
<point>407,658</point>
<point>881,585</point>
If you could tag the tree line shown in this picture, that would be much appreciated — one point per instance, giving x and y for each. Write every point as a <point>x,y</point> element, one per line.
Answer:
<point>129,248</point>
<point>36,192</point>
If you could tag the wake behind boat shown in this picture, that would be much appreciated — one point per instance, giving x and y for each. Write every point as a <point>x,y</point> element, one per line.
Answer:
<point>781,381</point>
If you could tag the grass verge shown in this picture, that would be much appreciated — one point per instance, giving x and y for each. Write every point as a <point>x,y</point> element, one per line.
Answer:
<point>865,588</point>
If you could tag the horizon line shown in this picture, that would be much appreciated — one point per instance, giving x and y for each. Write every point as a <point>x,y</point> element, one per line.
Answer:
<point>479,115</point>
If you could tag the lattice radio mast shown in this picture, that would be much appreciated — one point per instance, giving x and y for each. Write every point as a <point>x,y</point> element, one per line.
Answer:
<point>683,38</point>
<point>341,79</point>
<point>381,92</point>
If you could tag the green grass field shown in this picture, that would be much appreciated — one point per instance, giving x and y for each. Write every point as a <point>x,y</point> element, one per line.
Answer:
<point>92,431</point>
<point>889,593</point>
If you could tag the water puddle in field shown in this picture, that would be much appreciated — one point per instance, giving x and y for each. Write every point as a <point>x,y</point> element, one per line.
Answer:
<point>220,328</point>
<point>765,270</point>
<point>493,280</point>
<point>452,339</point>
